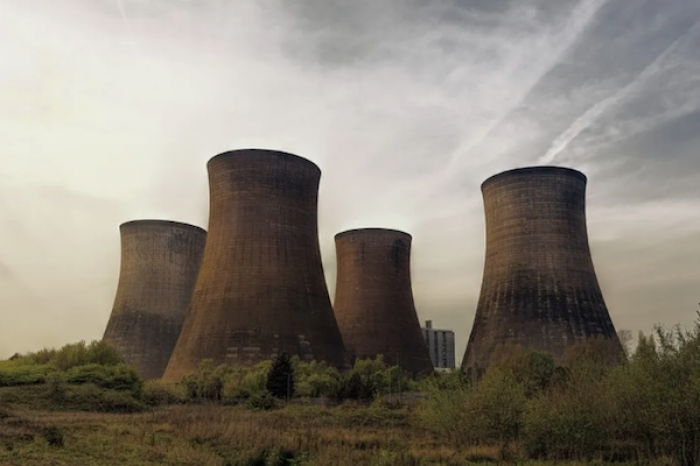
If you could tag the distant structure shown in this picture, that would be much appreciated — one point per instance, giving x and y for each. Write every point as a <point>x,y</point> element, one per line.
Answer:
<point>539,288</point>
<point>159,264</point>
<point>441,346</point>
<point>374,301</point>
<point>261,289</point>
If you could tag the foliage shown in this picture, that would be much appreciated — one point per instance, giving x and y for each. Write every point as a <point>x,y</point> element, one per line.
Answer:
<point>314,379</point>
<point>590,408</point>
<point>14,373</point>
<point>117,377</point>
<point>97,363</point>
<point>280,378</point>
<point>159,393</point>
<point>524,407</point>
<point>226,384</point>
<point>443,412</point>
<point>570,421</point>
<point>657,396</point>
<point>72,355</point>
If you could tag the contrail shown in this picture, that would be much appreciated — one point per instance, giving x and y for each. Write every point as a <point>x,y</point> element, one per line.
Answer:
<point>579,19</point>
<point>592,115</point>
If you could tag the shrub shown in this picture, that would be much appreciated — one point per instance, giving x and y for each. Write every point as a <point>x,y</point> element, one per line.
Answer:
<point>314,379</point>
<point>242,383</point>
<point>207,383</point>
<point>260,401</point>
<point>494,409</point>
<point>117,377</point>
<point>55,386</point>
<point>352,387</point>
<point>574,418</point>
<point>53,435</point>
<point>442,412</point>
<point>159,393</point>
<point>15,373</point>
<point>90,397</point>
<point>74,354</point>
<point>229,384</point>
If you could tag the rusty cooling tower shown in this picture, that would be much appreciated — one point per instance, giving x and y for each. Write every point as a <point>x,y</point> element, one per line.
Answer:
<point>159,264</point>
<point>261,289</point>
<point>539,288</point>
<point>374,301</point>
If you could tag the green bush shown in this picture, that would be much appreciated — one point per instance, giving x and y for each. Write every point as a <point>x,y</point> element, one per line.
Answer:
<point>369,379</point>
<point>488,412</point>
<point>15,373</point>
<point>207,383</point>
<point>117,377</point>
<point>159,393</point>
<point>224,383</point>
<point>443,411</point>
<point>567,424</point>
<point>72,355</point>
<point>245,383</point>
<point>96,363</point>
<point>495,408</point>
<point>260,401</point>
<point>90,397</point>
<point>314,379</point>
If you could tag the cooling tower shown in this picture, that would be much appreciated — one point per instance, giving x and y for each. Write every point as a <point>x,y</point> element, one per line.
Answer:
<point>539,288</point>
<point>159,265</point>
<point>261,289</point>
<point>373,299</point>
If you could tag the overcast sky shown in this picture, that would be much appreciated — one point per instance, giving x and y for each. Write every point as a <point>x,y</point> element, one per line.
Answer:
<point>109,111</point>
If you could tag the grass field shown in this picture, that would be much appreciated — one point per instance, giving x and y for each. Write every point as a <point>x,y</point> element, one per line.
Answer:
<point>215,435</point>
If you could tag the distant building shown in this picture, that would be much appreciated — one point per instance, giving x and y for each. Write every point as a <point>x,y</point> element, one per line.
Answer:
<point>441,346</point>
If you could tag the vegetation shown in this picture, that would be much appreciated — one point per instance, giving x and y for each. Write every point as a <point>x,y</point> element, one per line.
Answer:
<point>524,409</point>
<point>280,378</point>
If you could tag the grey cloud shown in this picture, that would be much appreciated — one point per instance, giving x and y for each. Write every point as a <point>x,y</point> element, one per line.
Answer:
<point>407,106</point>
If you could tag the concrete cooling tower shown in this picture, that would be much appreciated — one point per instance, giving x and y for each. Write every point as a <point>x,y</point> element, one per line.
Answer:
<point>159,264</point>
<point>539,288</point>
<point>261,289</point>
<point>374,301</point>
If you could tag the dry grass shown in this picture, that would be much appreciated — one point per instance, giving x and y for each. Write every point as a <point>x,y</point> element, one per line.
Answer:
<point>217,435</point>
<point>214,435</point>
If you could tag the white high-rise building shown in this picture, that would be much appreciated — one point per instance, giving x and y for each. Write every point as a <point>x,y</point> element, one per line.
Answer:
<point>441,346</point>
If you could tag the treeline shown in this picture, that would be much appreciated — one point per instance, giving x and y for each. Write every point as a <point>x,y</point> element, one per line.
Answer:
<point>95,377</point>
<point>271,383</point>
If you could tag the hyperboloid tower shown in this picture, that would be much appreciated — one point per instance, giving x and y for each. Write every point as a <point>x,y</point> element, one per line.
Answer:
<point>539,288</point>
<point>159,264</point>
<point>261,289</point>
<point>374,300</point>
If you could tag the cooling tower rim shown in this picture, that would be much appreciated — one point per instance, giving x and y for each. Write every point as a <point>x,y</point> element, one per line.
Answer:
<point>287,156</point>
<point>370,231</point>
<point>534,169</point>
<point>161,223</point>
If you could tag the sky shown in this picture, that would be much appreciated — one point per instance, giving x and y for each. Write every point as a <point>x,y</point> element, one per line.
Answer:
<point>110,109</point>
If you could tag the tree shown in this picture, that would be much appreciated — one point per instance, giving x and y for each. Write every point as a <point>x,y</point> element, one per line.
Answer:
<point>280,378</point>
